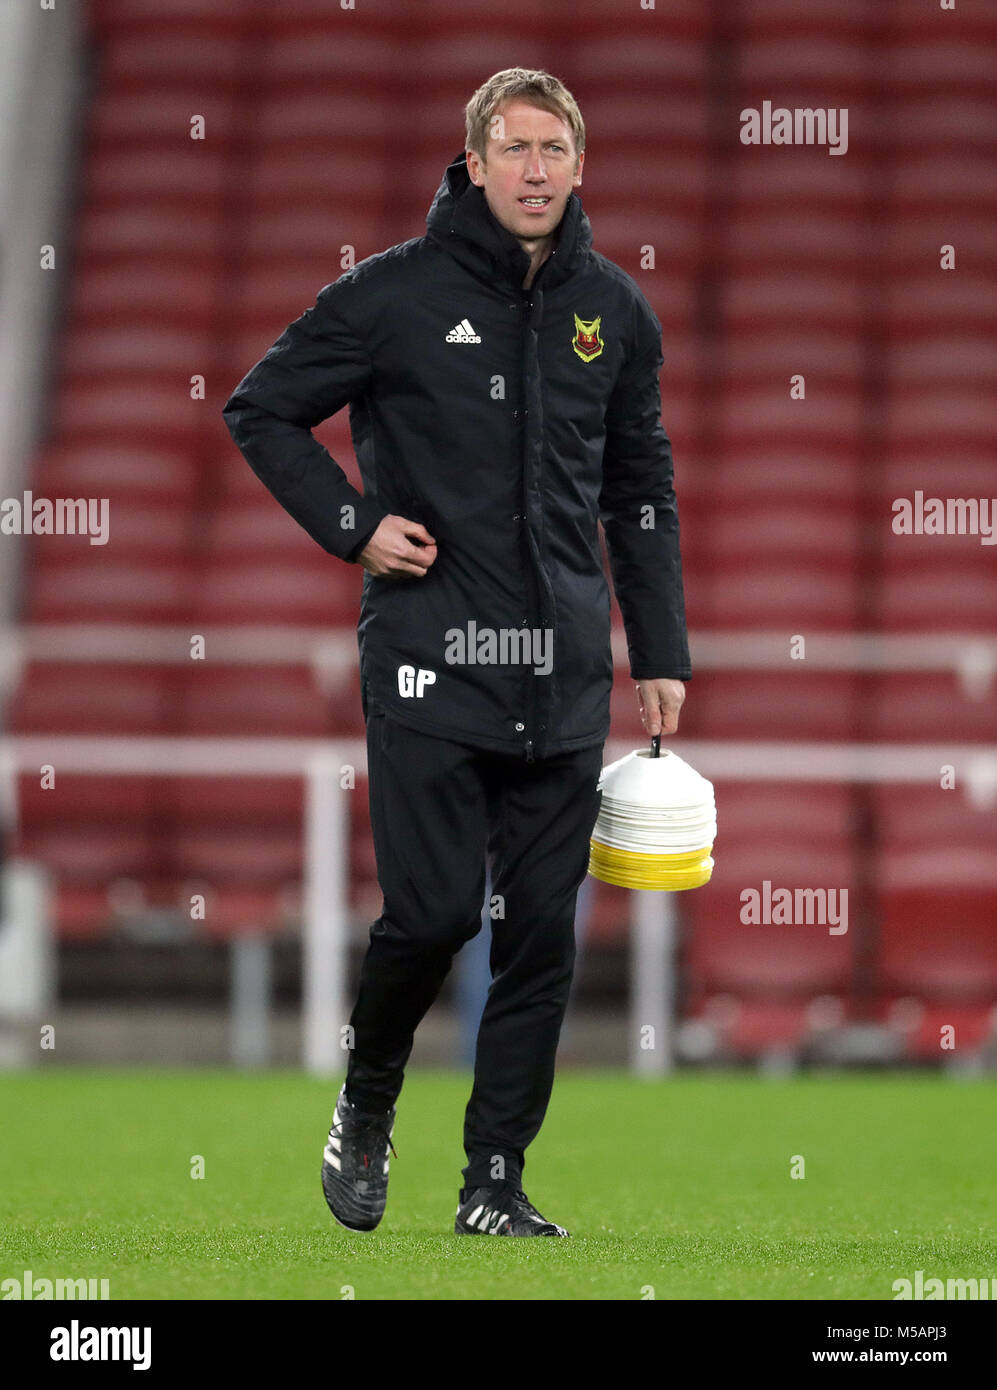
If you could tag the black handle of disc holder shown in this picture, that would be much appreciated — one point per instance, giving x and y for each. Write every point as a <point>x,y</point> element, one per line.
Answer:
<point>656,746</point>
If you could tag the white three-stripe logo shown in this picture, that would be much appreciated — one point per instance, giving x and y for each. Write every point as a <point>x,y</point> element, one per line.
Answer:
<point>486,1215</point>
<point>463,333</point>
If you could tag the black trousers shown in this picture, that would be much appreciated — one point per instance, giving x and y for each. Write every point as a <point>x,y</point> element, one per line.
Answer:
<point>437,809</point>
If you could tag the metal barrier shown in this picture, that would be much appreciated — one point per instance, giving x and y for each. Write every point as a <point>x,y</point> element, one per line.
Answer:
<point>326,1009</point>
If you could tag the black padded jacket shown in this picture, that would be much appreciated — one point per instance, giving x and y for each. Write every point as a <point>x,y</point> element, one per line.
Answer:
<point>509,422</point>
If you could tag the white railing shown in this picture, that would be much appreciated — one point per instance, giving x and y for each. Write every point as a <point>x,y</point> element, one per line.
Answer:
<point>332,654</point>
<point>326,911</point>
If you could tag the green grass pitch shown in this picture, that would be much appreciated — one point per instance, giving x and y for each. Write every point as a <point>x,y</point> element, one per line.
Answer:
<point>680,1186</point>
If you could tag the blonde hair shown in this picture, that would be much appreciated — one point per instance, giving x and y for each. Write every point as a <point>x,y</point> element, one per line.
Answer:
<point>530,84</point>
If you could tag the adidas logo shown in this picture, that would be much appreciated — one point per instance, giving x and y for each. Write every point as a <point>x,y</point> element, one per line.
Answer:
<point>488,1219</point>
<point>462,333</point>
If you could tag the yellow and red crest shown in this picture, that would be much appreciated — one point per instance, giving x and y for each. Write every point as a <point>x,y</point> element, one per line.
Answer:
<point>587,341</point>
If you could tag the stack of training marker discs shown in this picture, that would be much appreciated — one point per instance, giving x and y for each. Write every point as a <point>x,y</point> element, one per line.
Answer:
<point>656,824</point>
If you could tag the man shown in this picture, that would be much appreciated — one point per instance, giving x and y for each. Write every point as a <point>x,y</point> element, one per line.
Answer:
<point>502,380</point>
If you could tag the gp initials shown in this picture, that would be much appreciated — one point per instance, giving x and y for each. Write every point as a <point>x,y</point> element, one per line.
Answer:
<point>412,682</point>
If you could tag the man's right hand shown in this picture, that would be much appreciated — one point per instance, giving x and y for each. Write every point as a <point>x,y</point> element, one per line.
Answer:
<point>397,548</point>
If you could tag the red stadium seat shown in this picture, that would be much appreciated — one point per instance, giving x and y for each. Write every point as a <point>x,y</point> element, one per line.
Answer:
<point>126,470</point>
<point>139,355</point>
<point>153,290</point>
<point>77,698</point>
<point>81,912</point>
<point>761,17</point>
<point>277,591</point>
<point>928,819</point>
<point>92,854</point>
<point>756,1029</point>
<point>92,589</point>
<point>936,301</point>
<point>122,410</point>
<point>171,173</point>
<point>910,707</point>
<point>237,855</point>
<point>134,114</point>
<point>787,596</point>
<point>939,943</point>
<point>163,58</point>
<point>89,799</point>
<point>234,800</point>
<point>114,17</point>
<point>796,837</point>
<point>244,700</point>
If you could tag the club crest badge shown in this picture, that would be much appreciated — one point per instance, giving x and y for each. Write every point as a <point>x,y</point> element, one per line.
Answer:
<point>587,341</point>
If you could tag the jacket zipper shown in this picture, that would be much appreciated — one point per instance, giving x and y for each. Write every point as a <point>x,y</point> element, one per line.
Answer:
<point>538,581</point>
<point>534,580</point>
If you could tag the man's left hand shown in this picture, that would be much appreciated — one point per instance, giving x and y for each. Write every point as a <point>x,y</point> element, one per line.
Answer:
<point>660,702</point>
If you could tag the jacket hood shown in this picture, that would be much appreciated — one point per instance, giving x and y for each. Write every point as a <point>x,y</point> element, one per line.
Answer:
<point>461,221</point>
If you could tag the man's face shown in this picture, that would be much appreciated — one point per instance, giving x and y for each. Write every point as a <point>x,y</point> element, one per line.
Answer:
<point>530,170</point>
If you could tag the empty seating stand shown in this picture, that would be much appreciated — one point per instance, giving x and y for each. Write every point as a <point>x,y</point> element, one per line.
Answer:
<point>326,134</point>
